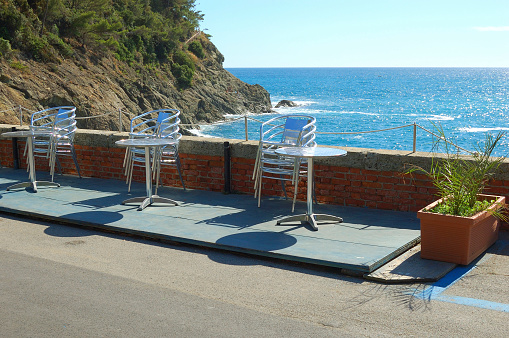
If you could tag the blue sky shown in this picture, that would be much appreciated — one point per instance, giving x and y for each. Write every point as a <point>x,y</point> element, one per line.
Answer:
<point>359,33</point>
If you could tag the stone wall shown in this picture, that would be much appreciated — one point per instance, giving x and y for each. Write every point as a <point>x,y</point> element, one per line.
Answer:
<point>364,178</point>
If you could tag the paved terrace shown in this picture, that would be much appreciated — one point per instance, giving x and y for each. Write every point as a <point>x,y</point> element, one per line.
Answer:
<point>365,188</point>
<point>366,240</point>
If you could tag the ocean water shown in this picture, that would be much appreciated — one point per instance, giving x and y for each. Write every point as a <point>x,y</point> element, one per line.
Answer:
<point>466,102</point>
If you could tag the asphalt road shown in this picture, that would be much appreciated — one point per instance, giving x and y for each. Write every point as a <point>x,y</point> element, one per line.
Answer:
<point>58,281</point>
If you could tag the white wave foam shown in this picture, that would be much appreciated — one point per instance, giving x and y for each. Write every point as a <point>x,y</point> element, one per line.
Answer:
<point>480,130</point>
<point>296,110</point>
<point>197,132</point>
<point>234,116</point>
<point>440,118</point>
<point>305,103</point>
<point>202,132</point>
<point>299,104</point>
<point>359,113</point>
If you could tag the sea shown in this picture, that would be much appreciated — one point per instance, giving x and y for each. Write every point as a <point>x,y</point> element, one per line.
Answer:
<point>466,103</point>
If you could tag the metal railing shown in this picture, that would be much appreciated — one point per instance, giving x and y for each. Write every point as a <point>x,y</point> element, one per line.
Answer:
<point>246,118</point>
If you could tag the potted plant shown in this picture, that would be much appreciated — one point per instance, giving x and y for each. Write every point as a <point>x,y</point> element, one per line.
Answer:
<point>464,222</point>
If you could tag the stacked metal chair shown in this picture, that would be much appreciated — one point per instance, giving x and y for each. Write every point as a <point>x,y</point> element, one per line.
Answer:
<point>142,126</point>
<point>161,123</point>
<point>283,131</point>
<point>168,127</point>
<point>61,122</point>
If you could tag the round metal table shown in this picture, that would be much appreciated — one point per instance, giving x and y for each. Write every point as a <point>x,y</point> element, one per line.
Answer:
<point>29,134</point>
<point>310,153</point>
<point>147,143</point>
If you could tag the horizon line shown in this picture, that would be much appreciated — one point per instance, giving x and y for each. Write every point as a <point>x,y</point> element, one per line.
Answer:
<point>289,67</point>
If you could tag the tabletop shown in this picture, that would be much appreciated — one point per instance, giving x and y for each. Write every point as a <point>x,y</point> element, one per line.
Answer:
<point>146,142</point>
<point>27,133</point>
<point>310,152</point>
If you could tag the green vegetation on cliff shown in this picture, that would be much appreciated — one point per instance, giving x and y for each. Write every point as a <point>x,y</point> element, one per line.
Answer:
<point>140,32</point>
<point>114,59</point>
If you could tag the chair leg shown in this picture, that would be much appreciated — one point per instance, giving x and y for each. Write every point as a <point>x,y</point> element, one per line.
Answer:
<point>158,174</point>
<point>156,160</point>
<point>52,166</point>
<point>130,177</point>
<point>258,174</point>
<point>283,186</point>
<point>59,166</point>
<point>259,190</point>
<point>314,192</point>
<point>259,186</point>
<point>126,172</point>
<point>177,160</point>
<point>257,163</point>
<point>129,167</point>
<point>296,187</point>
<point>127,161</point>
<point>75,159</point>
<point>126,156</point>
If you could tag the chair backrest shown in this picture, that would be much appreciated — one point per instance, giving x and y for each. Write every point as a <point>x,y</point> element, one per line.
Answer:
<point>46,118</point>
<point>65,122</point>
<point>298,130</point>
<point>143,125</point>
<point>165,124</point>
<point>293,130</point>
<point>168,124</point>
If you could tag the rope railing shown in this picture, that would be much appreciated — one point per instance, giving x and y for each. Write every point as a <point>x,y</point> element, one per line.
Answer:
<point>445,140</point>
<point>21,109</point>
<point>93,116</point>
<point>414,125</point>
<point>246,118</point>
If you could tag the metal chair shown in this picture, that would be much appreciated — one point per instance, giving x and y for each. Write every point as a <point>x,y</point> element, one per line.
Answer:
<point>149,125</point>
<point>283,131</point>
<point>61,122</point>
<point>168,127</point>
<point>62,142</point>
<point>142,126</point>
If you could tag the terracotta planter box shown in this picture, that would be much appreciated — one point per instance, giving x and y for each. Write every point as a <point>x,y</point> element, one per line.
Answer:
<point>457,239</point>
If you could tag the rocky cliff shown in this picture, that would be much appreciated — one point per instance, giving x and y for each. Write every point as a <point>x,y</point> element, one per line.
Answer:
<point>99,84</point>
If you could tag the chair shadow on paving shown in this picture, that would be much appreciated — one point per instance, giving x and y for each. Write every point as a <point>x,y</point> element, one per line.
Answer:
<point>100,202</point>
<point>249,217</point>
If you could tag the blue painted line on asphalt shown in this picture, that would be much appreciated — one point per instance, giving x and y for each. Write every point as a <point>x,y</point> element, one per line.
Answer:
<point>483,304</point>
<point>434,292</point>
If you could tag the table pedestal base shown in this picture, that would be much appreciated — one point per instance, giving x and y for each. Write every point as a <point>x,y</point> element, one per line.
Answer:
<point>312,219</point>
<point>146,201</point>
<point>33,185</point>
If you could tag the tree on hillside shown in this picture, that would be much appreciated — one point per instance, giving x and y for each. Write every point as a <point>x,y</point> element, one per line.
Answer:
<point>153,29</point>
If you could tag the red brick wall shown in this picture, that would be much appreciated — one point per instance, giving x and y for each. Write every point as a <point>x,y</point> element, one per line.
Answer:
<point>334,185</point>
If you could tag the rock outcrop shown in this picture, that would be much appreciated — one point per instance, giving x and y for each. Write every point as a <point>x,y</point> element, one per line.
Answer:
<point>98,85</point>
<point>286,103</point>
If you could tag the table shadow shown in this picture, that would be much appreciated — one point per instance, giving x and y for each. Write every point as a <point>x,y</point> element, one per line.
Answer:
<point>259,240</point>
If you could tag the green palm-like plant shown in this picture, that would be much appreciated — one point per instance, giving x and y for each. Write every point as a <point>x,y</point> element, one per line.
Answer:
<point>459,179</point>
